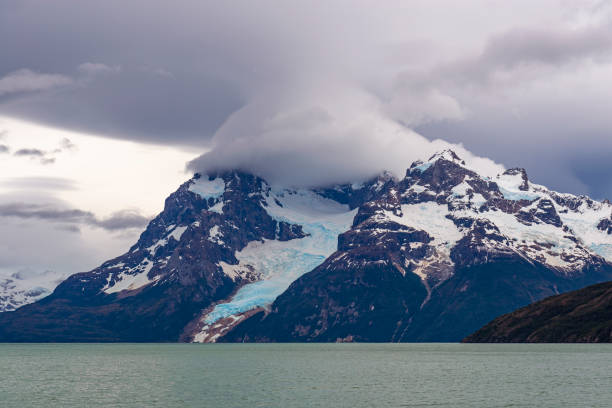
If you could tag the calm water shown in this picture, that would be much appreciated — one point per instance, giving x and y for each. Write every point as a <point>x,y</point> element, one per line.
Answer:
<point>292,375</point>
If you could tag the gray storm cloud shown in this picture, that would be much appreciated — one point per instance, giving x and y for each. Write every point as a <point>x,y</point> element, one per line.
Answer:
<point>30,153</point>
<point>25,80</point>
<point>39,245</point>
<point>71,217</point>
<point>41,232</point>
<point>45,157</point>
<point>324,91</point>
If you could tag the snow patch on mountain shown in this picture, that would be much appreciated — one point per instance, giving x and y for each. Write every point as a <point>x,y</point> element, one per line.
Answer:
<point>542,242</point>
<point>510,186</point>
<point>218,207</point>
<point>215,235</point>
<point>131,278</point>
<point>176,235</point>
<point>432,218</point>
<point>583,223</point>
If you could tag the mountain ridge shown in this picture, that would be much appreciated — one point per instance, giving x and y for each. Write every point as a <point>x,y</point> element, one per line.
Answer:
<point>483,247</point>
<point>230,252</point>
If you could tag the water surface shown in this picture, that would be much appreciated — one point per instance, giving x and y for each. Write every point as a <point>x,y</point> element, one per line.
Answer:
<point>305,375</point>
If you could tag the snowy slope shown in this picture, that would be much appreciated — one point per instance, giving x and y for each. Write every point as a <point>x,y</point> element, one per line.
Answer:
<point>21,288</point>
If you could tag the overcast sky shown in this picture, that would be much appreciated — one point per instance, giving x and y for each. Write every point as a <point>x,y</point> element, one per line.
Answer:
<point>103,105</point>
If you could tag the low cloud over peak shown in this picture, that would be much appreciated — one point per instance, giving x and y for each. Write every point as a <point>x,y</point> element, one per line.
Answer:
<point>333,135</point>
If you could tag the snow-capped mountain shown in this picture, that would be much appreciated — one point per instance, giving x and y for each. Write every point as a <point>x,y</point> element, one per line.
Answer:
<point>216,235</point>
<point>438,254</point>
<point>23,287</point>
<point>429,257</point>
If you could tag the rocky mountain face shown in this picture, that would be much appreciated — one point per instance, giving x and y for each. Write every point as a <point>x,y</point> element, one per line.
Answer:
<point>436,254</point>
<point>581,316</point>
<point>429,257</point>
<point>215,235</point>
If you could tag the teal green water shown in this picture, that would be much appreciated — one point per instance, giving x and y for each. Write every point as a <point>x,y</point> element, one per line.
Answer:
<point>296,375</point>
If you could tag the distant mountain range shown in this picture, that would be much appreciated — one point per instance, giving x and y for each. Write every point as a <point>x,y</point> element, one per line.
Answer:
<point>432,256</point>
<point>23,287</point>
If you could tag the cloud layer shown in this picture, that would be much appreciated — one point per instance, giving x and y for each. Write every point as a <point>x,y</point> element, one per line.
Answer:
<point>70,217</point>
<point>317,92</point>
<point>25,80</point>
<point>313,139</point>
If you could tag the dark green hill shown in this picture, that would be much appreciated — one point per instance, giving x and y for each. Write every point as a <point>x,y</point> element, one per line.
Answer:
<point>581,316</point>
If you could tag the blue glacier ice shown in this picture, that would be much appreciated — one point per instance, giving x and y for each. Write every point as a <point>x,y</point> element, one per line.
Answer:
<point>517,195</point>
<point>280,263</point>
<point>604,250</point>
<point>208,188</point>
<point>264,292</point>
<point>424,166</point>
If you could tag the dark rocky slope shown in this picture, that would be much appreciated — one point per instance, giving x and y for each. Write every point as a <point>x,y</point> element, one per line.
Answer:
<point>580,316</point>
<point>380,302</point>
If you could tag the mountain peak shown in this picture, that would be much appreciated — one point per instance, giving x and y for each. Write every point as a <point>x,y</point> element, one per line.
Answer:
<point>447,154</point>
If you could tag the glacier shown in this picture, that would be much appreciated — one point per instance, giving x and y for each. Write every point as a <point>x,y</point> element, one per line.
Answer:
<point>282,262</point>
